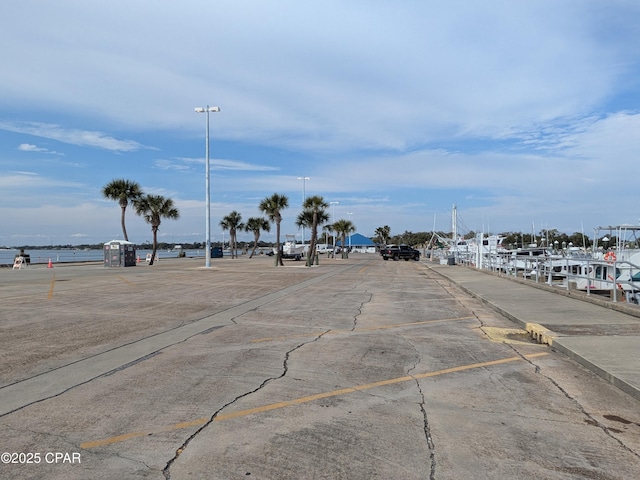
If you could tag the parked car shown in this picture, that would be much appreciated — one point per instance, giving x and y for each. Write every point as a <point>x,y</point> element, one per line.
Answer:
<point>324,248</point>
<point>396,252</point>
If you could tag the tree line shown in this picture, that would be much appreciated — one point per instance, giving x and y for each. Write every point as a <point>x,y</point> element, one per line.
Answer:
<point>314,214</point>
<point>154,208</point>
<point>545,238</point>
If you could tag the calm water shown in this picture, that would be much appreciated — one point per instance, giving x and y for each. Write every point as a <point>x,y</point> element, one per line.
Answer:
<point>70,255</point>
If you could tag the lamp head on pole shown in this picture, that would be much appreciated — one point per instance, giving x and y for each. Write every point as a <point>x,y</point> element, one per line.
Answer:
<point>207,109</point>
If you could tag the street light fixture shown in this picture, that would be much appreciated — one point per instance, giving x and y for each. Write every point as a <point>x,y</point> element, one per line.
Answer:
<point>207,254</point>
<point>333,210</point>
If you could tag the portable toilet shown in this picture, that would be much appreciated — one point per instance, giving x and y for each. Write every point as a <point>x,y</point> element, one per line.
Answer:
<point>119,253</point>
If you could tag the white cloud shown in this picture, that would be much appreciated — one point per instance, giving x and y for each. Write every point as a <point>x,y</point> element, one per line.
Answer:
<point>27,147</point>
<point>510,108</point>
<point>438,70</point>
<point>214,163</point>
<point>170,165</point>
<point>71,136</point>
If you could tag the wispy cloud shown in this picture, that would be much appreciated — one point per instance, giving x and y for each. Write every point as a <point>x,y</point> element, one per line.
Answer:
<point>28,180</point>
<point>183,163</point>
<point>171,165</point>
<point>85,138</point>
<point>27,147</point>
<point>509,109</point>
<point>221,164</point>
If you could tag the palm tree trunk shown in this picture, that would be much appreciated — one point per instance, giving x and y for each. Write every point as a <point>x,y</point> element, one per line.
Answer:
<point>312,242</point>
<point>279,254</point>
<point>256,237</point>
<point>124,230</point>
<point>155,244</point>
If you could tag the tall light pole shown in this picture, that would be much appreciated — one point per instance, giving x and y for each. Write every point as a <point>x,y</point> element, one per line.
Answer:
<point>304,196</point>
<point>350,213</point>
<point>333,220</point>
<point>207,254</point>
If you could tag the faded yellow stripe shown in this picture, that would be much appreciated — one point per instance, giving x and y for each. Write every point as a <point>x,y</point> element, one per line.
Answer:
<point>124,279</point>
<point>307,399</point>
<point>53,282</point>
<point>119,438</point>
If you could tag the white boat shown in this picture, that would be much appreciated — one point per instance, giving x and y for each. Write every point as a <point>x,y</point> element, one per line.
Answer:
<point>291,249</point>
<point>610,269</point>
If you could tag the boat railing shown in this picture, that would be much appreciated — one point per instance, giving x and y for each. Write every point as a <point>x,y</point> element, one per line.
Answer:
<point>567,270</point>
<point>616,283</point>
<point>541,269</point>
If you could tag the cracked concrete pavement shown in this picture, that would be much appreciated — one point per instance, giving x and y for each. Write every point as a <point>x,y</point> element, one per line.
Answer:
<point>354,369</point>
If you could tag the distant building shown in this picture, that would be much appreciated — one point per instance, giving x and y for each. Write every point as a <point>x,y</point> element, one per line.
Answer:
<point>358,243</point>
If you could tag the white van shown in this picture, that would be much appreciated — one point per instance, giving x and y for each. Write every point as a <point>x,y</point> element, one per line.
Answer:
<point>323,248</point>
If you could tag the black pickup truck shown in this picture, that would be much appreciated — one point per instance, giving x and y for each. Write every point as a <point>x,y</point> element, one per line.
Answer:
<point>396,252</point>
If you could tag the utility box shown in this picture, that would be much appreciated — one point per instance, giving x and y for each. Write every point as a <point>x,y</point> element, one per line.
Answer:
<point>119,253</point>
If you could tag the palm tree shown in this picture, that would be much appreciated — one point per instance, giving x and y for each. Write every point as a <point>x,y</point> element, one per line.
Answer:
<point>343,228</point>
<point>233,223</point>
<point>383,234</point>
<point>256,225</point>
<point>124,192</point>
<point>272,207</point>
<point>154,208</point>
<point>314,214</point>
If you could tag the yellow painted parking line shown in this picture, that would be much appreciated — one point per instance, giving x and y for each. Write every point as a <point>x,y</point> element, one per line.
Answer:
<point>53,282</point>
<point>360,329</point>
<point>108,441</point>
<point>307,399</point>
<point>124,279</point>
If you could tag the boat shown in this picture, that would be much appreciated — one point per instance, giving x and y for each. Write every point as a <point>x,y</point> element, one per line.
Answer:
<point>291,249</point>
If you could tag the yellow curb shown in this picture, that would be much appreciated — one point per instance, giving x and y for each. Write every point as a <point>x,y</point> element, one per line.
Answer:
<point>540,333</point>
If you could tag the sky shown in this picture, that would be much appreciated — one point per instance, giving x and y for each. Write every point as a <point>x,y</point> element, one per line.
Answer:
<point>523,114</point>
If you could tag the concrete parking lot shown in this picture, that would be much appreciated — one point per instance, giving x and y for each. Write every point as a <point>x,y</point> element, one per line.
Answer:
<point>353,369</point>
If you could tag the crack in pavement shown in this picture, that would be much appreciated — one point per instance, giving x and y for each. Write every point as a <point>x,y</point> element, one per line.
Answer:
<point>285,364</point>
<point>591,420</point>
<point>360,308</point>
<point>61,379</point>
<point>425,418</point>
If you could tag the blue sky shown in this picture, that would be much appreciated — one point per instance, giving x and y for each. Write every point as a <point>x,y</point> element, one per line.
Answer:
<point>523,114</point>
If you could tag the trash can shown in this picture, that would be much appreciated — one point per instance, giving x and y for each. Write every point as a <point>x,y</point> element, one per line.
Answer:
<point>119,253</point>
<point>451,260</point>
<point>216,252</point>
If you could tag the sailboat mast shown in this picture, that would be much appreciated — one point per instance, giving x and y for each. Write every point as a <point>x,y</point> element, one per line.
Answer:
<point>454,224</point>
